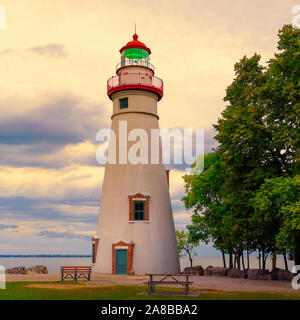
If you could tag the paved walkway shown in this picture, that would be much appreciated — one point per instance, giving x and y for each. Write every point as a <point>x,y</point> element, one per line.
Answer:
<point>201,283</point>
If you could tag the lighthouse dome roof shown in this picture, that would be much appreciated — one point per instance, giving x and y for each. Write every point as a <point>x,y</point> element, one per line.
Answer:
<point>135,43</point>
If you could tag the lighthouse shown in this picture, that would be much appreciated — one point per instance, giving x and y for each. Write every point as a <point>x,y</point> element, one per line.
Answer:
<point>135,233</point>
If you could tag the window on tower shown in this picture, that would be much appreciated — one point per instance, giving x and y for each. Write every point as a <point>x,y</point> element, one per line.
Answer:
<point>123,103</point>
<point>136,53</point>
<point>135,56</point>
<point>138,210</point>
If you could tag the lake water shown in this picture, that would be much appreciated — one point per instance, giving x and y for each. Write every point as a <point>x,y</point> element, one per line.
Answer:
<point>53,264</point>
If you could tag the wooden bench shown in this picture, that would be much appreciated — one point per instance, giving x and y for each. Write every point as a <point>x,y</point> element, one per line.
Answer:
<point>169,279</point>
<point>75,272</point>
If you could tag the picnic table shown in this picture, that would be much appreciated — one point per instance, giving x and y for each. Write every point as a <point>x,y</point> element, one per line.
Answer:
<point>169,279</point>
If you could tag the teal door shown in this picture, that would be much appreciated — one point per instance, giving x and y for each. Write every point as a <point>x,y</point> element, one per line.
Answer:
<point>121,261</point>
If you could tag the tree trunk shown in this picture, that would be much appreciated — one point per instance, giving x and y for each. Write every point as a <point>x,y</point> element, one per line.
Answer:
<point>191,260</point>
<point>243,262</point>
<point>285,260</point>
<point>234,266</point>
<point>274,256</point>
<point>297,252</point>
<point>248,262</point>
<point>224,260</point>
<point>238,259</point>
<point>263,260</point>
<point>230,259</point>
<point>259,260</point>
<point>266,261</point>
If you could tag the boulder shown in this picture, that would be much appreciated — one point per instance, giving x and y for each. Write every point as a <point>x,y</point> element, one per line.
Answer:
<point>256,274</point>
<point>36,269</point>
<point>237,273</point>
<point>16,270</point>
<point>219,271</point>
<point>281,275</point>
<point>207,271</point>
<point>196,270</point>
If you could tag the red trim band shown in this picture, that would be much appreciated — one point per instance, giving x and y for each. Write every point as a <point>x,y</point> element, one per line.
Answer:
<point>157,91</point>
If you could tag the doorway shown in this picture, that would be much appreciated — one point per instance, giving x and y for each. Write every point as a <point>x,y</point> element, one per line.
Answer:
<point>121,261</point>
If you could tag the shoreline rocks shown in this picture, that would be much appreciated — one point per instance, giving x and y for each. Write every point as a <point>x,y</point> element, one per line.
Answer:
<point>16,270</point>
<point>219,271</point>
<point>39,269</point>
<point>281,275</point>
<point>251,274</point>
<point>256,274</point>
<point>196,270</point>
<point>237,273</point>
<point>216,271</point>
<point>207,271</point>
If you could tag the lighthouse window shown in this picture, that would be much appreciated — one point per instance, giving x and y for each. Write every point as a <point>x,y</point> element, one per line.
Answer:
<point>139,210</point>
<point>136,53</point>
<point>123,103</point>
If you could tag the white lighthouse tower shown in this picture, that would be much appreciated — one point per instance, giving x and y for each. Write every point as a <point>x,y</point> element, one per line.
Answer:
<point>136,233</point>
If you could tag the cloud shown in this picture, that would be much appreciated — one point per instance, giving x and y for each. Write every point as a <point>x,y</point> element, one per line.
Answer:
<point>8,52</point>
<point>54,118</point>
<point>53,130</point>
<point>68,235</point>
<point>45,211</point>
<point>55,50</point>
<point>73,182</point>
<point>48,155</point>
<point>8,226</point>
<point>178,207</point>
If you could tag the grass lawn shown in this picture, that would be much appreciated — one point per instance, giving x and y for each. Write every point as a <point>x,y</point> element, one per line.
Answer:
<point>80,291</point>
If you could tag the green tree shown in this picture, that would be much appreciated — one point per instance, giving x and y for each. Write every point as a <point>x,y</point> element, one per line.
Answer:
<point>259,132</point>
<point>289,232</point>
<point>243,143</point>
<point>205,193</point>
<point>185,245</point>
<point>280,101</point>
<point>258,135</point>
<point>277,213</point>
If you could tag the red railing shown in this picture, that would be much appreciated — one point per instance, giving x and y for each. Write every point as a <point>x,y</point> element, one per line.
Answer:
<point>135,81</point>
<point>138,63</point>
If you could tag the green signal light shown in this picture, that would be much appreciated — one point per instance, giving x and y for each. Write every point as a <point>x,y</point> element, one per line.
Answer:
<point>136,53</point>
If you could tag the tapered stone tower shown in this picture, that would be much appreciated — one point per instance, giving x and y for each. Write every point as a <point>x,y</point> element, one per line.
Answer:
<point>135,233</point>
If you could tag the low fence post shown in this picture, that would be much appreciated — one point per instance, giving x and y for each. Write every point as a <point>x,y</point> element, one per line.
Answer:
<point>2,278</point>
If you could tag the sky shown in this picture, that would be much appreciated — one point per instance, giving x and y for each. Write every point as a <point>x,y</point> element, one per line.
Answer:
<point>55,59</point>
